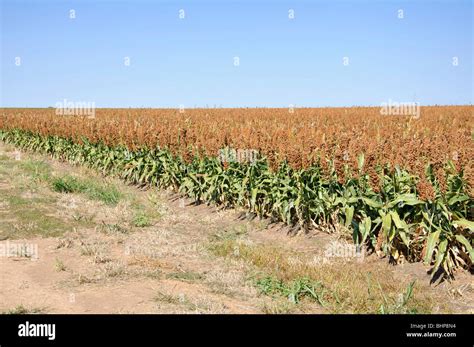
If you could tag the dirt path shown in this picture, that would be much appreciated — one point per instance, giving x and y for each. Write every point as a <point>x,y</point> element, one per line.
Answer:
<point>117,249</point>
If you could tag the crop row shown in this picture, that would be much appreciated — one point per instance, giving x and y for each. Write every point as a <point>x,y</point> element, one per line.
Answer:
<point>301,137</point>
<point>390,219</point>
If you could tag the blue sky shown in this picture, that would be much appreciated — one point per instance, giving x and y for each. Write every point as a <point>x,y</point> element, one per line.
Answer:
<point>190,61</point>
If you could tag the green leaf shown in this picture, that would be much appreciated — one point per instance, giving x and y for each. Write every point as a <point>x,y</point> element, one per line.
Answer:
<point>441,253</point>
<point>386,223</point>
<point>253,199</point>
<point>349,211</point>
<point>400,224</point>
<point>366,230</point>
<point>431,243</point>
<point>407,199</point>
<point>461,239</point>
<point>464,223</point>
<point>404,237</point>
<point>458,198</point>
<point>372,203</point>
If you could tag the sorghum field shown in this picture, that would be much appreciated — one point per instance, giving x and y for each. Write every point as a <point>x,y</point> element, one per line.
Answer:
<point>400,186</point>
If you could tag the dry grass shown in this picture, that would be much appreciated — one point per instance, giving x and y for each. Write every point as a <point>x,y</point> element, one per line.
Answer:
<point>350,287</point>
<point>187,304</point>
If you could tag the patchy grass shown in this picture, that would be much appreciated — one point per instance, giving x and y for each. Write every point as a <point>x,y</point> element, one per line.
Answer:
<point>28,219</point>
<point>146,212</point>
<point>293,290</point>
<point>29,203</point>
<point>67,184</point>
<point>29,208</point>
<point>15,199</point>
<point>141,220</point>
<point>37,169</point>
<point>337,287</point>
<point>106,193</point>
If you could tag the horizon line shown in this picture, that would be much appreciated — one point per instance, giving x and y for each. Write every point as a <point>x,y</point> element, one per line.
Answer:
<point>246,107</point>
